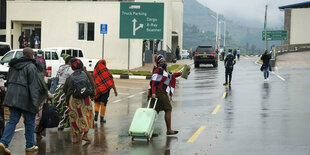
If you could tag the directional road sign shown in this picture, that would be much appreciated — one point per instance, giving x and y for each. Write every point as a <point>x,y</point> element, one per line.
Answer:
<point>275,35</point>
<point>141,20</point>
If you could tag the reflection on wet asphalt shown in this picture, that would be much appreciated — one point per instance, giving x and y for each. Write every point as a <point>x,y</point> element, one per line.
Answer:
<point>254,118</point>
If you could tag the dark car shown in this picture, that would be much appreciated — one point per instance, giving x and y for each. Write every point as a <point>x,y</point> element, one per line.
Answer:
<point>205,55</point>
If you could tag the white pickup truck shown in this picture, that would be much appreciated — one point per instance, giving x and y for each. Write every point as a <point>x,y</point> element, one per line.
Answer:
<point>53,58</point>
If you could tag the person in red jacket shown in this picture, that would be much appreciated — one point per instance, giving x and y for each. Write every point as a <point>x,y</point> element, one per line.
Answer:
<point>103,84</point>
<point>162,87</point>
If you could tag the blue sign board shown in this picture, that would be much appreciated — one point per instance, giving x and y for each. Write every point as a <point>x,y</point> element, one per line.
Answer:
<point>103,28</point>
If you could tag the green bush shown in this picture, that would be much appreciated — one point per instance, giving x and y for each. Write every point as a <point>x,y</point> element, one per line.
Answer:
<point>142,73</point>
<point>173,68</point>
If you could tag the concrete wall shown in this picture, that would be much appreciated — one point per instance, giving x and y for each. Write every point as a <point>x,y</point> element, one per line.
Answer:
<point>59,28</point>
<point>287,24</point>
<point>300,26</point>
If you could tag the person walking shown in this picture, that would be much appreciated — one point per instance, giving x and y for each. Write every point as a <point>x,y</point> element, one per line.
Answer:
<point>40,60</point>
<point>41,65</point>
<point>21,40</point>
<point>2,95</point>
<point>81,115</point>
<point>36,41</point>
<point>103,83</point>
<point>238,54</point>
<point>223,54</point>
<point>266,66</point>
<point>229,63</point>
<point>26,90</point>
<point>162,87</point>
<point>177,53</point>
<point>59,99</point>
<point>235,53</point>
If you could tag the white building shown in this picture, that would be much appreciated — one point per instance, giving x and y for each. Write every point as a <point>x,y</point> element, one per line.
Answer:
<point>297,22</point>
<point>77,24</point>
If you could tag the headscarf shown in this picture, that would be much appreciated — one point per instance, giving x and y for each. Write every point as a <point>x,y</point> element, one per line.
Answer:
<point>76,64</point>
<point>65,56</point>
<point>103,78</point>
<point>158,58</point>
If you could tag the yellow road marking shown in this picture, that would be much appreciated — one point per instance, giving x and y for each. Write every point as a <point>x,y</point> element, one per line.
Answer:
<point>196,134</point>
<point>216,109</point>
<point>224,95</point>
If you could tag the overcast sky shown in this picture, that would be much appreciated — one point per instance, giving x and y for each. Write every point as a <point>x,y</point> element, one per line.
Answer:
<point>250,12</point>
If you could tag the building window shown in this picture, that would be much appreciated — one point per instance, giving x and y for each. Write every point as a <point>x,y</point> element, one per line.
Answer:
<point>86,31</point>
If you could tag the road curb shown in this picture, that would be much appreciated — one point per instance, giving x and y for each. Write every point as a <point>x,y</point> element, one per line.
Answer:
<point>116,76</point>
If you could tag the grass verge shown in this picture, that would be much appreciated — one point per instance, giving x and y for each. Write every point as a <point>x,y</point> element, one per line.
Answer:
<point>173,68</point>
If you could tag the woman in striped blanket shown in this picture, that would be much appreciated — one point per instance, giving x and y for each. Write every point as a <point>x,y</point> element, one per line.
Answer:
<point>162,87</point>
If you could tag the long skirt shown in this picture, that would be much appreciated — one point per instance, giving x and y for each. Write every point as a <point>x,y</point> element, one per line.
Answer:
<point>81,115</point>
<point>59,100</point>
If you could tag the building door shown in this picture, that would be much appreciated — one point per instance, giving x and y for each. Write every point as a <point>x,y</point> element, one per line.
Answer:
<point>31,30</point>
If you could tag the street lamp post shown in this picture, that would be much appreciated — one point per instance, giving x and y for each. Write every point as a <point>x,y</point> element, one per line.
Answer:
<point>224,41</point>
<point>217,30</point>
<point>265,27</point>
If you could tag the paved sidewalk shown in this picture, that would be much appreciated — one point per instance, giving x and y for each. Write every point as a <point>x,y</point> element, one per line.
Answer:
<point>297,59</point>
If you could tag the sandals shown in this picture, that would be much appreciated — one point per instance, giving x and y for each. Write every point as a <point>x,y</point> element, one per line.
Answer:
<point>75,139</point>
<point>85,138</point>
<point>174,133</point>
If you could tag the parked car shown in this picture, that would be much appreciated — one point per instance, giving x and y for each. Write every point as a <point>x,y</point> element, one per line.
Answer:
<point>53,58</point>
<point>185,54</point>
<point>205,55</point>
<point>4,48</point>
<point>4,67</point>
<point>89,64</point>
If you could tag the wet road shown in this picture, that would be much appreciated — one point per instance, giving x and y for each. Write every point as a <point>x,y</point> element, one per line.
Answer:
<point>251,117</point>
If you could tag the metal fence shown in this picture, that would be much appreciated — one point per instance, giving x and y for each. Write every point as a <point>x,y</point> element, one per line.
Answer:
<point>279,50</point>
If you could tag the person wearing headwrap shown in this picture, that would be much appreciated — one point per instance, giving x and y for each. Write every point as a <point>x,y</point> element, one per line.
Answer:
<point>81,115</point>
<point>162,87</point>
<point>59,99</point>
<point>103,83</point>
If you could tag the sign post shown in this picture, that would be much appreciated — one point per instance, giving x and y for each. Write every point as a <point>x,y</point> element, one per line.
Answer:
<point>141,21</point>
<point>103,30</point>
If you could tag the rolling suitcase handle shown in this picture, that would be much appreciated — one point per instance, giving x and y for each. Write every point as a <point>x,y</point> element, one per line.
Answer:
<point>148,105</point>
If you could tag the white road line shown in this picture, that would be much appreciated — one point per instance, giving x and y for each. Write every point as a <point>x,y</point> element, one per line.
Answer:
<point>278,76</point>
<point>123,93</point>
<point>256,62</point>
<point>116,101</point>
<point>20,129</point>
<point>141,92</point>
<point>131,96</point>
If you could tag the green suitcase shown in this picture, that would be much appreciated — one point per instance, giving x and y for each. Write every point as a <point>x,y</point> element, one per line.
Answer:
<point>142,125</point>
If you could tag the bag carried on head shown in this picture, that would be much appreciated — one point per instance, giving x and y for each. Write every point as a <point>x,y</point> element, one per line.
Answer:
<point>81,85</point>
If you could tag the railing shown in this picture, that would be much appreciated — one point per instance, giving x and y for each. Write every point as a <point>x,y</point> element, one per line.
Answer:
<point>169,50</point>
<point>278,50</point>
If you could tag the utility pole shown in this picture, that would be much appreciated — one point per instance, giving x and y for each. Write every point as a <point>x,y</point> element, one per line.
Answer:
<point>224,44</point>
<point>220,34</point>
<point>265,27</point>
<point>217,30</point>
